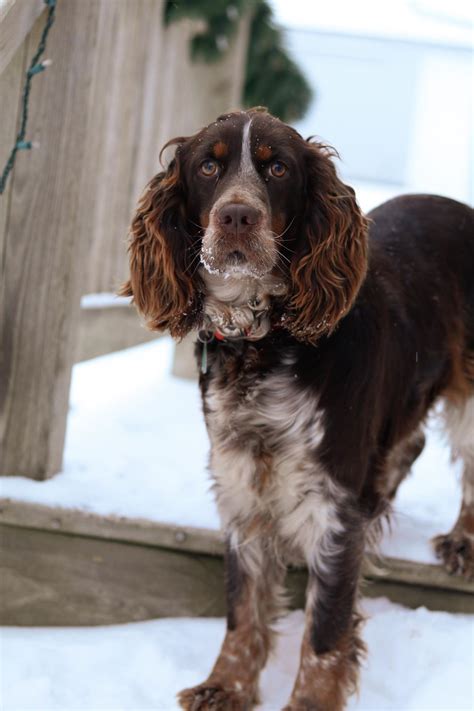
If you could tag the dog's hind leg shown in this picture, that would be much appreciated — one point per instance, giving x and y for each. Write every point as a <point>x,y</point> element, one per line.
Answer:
<point>456,549</point>
<point>400,461</point>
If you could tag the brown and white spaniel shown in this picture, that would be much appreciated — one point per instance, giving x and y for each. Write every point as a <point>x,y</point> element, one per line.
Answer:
<point>324,338</point>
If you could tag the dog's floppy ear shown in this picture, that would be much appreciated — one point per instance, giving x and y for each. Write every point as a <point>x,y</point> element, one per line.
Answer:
<point>159,253</point>
<point>330,260</point>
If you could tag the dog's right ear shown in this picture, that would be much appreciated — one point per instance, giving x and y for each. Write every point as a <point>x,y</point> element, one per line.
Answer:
<point>159,250</point>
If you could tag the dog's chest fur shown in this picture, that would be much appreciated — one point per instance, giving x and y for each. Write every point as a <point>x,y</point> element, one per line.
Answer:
<point>265,429</point>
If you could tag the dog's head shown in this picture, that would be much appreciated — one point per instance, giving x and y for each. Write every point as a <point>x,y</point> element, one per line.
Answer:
<point>247,197</point>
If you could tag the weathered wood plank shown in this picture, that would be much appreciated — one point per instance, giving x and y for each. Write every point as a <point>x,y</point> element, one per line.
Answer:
<point>415,596</point>
<point>130,41</point>
<point>115,528</point>
<point>11,81</point>
<point>385,569</point>
<point>17,18</point>
<point>199,540</point>
<point>184,360</point>
<point>58,579</point>
<point>46,241</point>
<point>222,81</point>
<point>105,330</point>
<point>55,579</point>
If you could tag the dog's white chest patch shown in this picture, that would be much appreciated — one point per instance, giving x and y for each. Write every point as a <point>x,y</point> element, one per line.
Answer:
<point>263,459</point>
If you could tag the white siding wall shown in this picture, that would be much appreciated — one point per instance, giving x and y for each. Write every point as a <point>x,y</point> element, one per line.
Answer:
<point>400,113</point>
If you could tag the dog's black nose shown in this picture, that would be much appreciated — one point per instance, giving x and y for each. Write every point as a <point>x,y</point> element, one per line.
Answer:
<point>237,218</point>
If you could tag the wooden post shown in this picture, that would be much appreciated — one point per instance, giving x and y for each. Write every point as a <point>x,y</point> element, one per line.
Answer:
<point>45,234</point>
<point>17,17</point>
<point>129,72</point>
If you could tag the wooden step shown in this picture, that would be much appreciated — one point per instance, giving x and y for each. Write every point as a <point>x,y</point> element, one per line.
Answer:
<point>70,567</point>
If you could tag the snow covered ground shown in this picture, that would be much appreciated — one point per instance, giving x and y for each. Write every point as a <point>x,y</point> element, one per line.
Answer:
<point>418,661</point>
<point>136,446</point>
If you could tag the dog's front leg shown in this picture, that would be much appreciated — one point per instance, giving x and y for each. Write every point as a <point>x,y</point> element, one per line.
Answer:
<point>331,648</point>
<point>253,582</point>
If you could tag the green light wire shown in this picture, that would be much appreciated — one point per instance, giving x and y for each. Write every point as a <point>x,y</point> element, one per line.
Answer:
<point>35,68</point>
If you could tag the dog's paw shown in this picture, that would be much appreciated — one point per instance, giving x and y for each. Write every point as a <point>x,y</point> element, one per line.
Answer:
<point>213,697</point>
<point>456,551</point>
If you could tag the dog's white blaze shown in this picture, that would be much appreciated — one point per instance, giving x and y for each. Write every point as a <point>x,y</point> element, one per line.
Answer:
<point>246,164</point>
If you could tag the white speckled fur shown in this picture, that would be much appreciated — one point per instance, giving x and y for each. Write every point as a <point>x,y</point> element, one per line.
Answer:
<point>300,500</point>
<point>228,299</point>
<point>460,428</point>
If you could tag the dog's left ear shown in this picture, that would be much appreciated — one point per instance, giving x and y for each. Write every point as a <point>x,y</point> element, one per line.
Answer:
<point>330,260</point>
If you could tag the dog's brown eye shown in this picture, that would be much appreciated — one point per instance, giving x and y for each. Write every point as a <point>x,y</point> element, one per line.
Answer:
<point>278,169</point>
<point>209,168</point>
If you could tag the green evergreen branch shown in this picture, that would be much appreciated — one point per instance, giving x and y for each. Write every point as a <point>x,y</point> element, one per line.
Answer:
<point>272,78</point>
